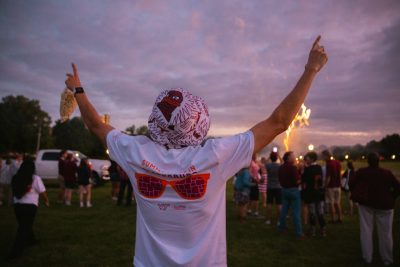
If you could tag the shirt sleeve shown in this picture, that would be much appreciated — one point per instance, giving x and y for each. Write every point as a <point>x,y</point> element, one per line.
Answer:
<point>38,185</point>
<point>396,185</point>
<point>118,145</point>
<point>234,153</point>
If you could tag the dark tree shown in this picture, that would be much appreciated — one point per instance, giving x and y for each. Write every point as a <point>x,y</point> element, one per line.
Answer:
<point>74,135</point>
<point>142,130</point>
<point>22,120</point>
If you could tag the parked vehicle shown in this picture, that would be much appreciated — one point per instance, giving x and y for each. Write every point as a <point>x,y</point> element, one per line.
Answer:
<point>47,165</point>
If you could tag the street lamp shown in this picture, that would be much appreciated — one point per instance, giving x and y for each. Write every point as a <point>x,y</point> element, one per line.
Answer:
<point>346,157</point>
<point>310,147</point>
<point>41,120</point>
<point>393,157</point>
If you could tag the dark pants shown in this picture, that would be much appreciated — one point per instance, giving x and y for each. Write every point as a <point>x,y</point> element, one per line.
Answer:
<point>25,214</point>
<point>316,211</point>
<point>122,184</point>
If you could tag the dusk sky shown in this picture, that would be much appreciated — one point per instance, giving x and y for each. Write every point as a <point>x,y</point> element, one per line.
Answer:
<point>242,57</point>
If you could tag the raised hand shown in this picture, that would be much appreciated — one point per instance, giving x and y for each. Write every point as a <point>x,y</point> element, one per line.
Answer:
<point>318,57</point>
<point>73,79</point>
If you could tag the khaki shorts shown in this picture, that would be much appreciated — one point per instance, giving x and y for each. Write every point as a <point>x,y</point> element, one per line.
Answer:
<point>332,195</point>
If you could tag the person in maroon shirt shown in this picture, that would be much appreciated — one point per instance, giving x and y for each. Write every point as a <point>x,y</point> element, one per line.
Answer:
<point>289,178</point>
<point>70,170</point>
<point>375,190</point>
<point>333,186</point>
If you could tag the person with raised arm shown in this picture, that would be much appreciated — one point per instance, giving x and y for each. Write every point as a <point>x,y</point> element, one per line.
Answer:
<point>179,179</point>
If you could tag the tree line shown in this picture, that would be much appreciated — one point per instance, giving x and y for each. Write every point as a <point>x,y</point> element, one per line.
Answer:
<point>387,147</point>
<point>23,120</point>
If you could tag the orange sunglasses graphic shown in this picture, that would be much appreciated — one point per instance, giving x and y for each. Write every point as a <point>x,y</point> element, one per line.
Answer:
<point>192,187</point>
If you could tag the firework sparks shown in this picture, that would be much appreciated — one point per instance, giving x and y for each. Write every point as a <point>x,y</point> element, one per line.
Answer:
<point>300,120</point>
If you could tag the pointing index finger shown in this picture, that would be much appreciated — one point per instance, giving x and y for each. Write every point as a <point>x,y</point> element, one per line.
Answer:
<point>75,69</point>
<point>316,42</point>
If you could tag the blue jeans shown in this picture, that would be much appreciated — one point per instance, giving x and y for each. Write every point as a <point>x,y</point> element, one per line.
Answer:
<point>291,198</point>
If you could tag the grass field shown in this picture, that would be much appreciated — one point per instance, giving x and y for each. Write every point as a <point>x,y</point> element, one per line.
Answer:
<point>104,236</point>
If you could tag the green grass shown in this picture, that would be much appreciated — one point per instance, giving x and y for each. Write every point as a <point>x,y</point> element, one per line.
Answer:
<point>104,236</point>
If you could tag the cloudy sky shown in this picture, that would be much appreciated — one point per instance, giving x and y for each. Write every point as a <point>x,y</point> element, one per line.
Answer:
<point>242,57</point>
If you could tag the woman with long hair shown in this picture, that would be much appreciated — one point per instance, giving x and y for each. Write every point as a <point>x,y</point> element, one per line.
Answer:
<point>84,184</point>
<point>26,187</point>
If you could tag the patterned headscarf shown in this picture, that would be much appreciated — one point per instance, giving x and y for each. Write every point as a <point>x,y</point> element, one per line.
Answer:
<point>178,119</point>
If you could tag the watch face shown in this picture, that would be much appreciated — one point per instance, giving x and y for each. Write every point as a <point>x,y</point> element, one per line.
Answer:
<point>79,90</point>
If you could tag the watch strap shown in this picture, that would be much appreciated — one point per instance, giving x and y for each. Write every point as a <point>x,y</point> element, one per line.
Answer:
<point>79,90</point>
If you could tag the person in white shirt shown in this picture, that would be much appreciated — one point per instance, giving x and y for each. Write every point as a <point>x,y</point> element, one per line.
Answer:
<point>5,182</point>
<point>16,163</point>
<point>26,188</point>
<point>179,180</point>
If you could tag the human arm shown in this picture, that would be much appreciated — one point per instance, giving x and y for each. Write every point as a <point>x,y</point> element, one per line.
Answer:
<point>318,179</point>
<point>45,198</point>
<point>353,180</point>
<point>395,185</point>
<point>89,114</point>
<point>296,174</point>
<point>280,119</point>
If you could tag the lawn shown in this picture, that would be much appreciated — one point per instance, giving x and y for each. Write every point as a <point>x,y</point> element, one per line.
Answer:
<point>104,236</point>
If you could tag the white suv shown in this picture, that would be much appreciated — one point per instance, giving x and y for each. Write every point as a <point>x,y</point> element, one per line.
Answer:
<point>47,165</point>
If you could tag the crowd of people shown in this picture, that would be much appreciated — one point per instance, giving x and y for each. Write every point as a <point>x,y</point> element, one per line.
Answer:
<point>72,174</point>
<point>180,181</point>
<point>21,188</point>
<point>309,189</point>
<point>313,193</point>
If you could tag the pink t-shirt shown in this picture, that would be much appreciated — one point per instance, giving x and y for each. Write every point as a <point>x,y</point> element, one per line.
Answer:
<point>180,196</point>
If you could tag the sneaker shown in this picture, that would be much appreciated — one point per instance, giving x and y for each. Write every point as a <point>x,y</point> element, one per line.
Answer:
<point>114,198</point>
<point>67,203</point>
<point>89,205</point>
<point>268,222</point>
<point>81,204</point>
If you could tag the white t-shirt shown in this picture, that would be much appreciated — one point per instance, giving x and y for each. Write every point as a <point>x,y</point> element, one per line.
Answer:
<point>171,230</point>
<point>5,174</point>
<point>32,197</point>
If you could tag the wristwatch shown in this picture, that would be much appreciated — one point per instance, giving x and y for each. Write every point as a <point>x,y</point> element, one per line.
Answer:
<point>78,90</point>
